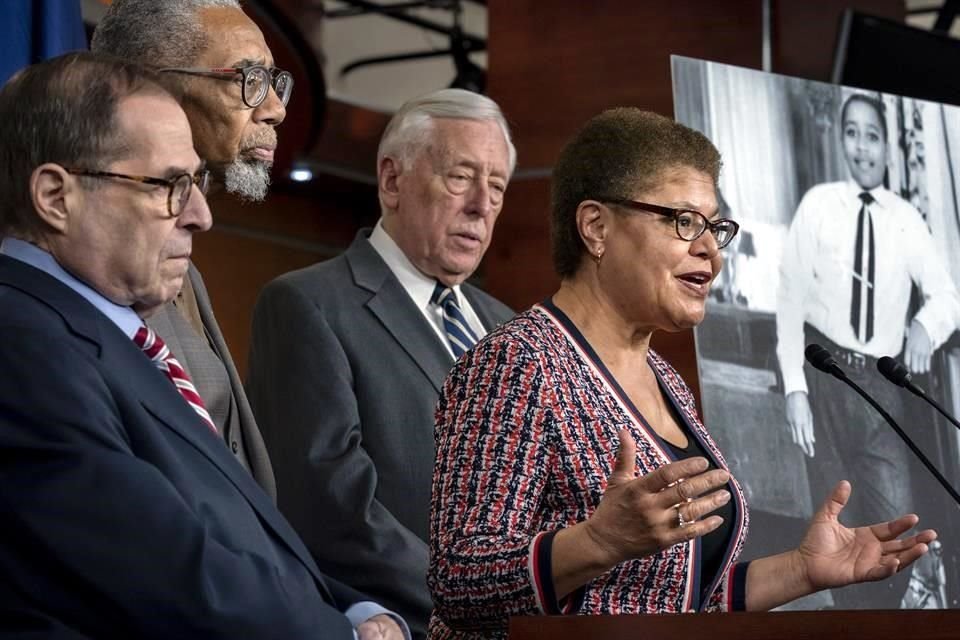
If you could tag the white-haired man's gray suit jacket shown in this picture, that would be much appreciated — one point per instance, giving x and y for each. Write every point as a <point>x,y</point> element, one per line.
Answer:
<point>345,373</point>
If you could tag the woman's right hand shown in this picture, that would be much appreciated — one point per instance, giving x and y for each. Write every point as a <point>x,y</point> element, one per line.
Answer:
<point>639,516</point>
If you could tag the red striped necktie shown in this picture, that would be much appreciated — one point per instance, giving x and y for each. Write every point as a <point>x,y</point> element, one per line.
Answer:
<point>152,345</point>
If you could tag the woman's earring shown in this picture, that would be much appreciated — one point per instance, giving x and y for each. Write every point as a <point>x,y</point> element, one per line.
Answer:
<point>599,255</point>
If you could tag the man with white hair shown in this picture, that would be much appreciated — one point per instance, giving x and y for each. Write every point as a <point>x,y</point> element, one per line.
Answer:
<point>216,59</point>
<point>348,356</point>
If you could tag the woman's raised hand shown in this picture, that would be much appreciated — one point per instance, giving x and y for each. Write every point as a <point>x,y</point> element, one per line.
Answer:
<point>639,516</point>
<point>834,555</point>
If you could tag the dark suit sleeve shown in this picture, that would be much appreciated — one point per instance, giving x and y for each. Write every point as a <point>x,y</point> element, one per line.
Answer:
<point>301,388</point>
<point>98,536</point>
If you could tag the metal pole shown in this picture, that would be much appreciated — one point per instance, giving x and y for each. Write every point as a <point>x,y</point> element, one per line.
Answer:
<point>767,10</point>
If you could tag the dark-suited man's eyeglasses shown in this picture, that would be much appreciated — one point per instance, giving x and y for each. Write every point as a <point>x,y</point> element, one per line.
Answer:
<point>690,224</point>
<point>180,186</point>
<point>255,80</point>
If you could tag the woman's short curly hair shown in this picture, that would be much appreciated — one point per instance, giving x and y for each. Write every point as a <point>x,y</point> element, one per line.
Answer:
<point>619,153</point>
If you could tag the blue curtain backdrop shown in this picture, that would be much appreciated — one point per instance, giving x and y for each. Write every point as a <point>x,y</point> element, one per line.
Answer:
<point>34,30</point>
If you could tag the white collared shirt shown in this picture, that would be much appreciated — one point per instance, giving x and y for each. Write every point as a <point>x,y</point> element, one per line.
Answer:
<point>420,286</point>
<point>816,272</point>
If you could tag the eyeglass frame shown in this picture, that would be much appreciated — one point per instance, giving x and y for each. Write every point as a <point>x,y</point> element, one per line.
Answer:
<point>674,213</point>
<point>200,179</point>
<point>275,74</point>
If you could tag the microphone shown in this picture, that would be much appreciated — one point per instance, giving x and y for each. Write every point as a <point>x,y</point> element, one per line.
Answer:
<point>896,373</point>
<point>820,358</point>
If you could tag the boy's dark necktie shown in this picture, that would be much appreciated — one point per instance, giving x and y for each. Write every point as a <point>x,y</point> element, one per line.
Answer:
<point>861,307</point>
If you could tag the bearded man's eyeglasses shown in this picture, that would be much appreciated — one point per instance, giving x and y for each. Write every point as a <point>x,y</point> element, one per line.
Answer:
<point>255,81</point>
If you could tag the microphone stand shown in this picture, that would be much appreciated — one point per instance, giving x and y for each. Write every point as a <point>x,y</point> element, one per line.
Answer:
<point>838,373</point>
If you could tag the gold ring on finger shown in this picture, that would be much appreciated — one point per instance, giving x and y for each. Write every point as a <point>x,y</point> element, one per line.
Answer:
<point>681,521</point>
<point>678,483</point>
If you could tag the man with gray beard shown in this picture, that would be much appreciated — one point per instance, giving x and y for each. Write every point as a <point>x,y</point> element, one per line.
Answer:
<point>216,60</point>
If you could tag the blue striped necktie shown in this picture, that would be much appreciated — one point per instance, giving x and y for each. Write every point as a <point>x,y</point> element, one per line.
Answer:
<point>459,334</point>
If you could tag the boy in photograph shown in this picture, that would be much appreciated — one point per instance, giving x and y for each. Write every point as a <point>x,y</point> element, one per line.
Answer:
<point>852,254</point>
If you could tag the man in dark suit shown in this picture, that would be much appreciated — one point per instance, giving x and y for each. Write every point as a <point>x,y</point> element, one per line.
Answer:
<point>348,356</point>
<point>124,513</point>
<point>234,131</point>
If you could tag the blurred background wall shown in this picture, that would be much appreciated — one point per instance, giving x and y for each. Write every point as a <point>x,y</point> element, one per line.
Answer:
<point>550,65</point>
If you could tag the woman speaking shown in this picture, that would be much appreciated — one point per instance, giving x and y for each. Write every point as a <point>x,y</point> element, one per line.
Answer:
<point>573,473</point>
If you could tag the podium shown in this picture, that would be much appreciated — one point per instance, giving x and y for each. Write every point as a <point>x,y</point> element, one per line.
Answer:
<point>941,624</point>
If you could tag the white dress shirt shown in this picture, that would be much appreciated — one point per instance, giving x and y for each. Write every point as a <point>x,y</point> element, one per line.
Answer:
<point>420,286</point>
<point>816,274</point>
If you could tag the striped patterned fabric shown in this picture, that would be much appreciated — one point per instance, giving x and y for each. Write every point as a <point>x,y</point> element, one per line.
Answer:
<point>459,334</point>
<point>152,345</point>
<point>526,436</point>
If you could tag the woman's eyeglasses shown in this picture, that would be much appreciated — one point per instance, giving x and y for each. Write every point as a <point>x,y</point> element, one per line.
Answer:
<point>690,224</point>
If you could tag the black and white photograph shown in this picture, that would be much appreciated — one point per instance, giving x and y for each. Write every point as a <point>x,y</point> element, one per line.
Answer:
<point>850,224</point>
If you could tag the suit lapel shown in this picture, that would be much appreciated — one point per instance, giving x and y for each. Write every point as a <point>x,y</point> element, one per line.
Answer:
<point>119,354</point>
<point>161,323</point>
<point>219,345</point>
<point>80,315</point>
<point>253,440</point>
<point>396,312</point>
<point>487,319</point>
<point>164,402</point>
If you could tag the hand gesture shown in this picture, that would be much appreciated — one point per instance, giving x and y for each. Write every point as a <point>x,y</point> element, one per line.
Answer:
<point>833,555</point>
<point>639,516</point>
